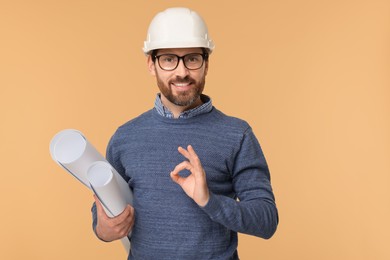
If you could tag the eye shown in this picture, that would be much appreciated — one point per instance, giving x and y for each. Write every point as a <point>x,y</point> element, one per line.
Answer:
<point>168,58</point>
<point>193,58</point>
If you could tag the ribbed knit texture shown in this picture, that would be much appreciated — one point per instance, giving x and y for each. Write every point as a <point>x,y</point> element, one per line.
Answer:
<point>169,224</point>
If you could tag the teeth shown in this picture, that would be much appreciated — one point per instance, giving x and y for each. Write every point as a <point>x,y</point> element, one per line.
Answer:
<point>181,84</point>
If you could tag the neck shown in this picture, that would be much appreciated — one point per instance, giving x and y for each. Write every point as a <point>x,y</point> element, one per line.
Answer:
<point>177,110</point>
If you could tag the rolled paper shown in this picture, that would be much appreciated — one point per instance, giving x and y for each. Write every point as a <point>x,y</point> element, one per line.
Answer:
<point>71,150</point>
<point>74,153</point>
<point>105,185</point>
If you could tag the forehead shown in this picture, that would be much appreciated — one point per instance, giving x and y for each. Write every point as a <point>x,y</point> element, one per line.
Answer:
<point>179,51</point>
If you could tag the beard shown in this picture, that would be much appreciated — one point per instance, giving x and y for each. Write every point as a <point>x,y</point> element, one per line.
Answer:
<point>183,98</point>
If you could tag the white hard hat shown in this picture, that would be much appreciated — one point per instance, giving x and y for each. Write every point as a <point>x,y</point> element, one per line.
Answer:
<point>177,28</point>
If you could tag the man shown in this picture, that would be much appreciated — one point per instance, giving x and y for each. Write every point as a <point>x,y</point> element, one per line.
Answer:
<point>198,176</point>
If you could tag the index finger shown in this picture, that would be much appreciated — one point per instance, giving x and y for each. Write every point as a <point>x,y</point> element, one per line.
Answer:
<point>190,154</point>
<point>184,152</point>
<point>127,212</point>
<point>194,159</point>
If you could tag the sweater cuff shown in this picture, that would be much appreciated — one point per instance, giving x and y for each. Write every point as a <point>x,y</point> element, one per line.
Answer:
<point>213,207</point>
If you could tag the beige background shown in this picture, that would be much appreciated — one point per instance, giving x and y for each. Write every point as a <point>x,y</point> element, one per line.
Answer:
<point>311,77</point>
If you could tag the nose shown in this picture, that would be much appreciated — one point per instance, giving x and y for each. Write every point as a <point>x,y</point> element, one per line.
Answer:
<point>181,70</point>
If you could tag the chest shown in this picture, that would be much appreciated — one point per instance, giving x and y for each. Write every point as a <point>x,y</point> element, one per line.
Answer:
<point>149,159</point>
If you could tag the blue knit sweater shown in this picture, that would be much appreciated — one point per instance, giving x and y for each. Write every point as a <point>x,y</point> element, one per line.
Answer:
<point>169,224</point>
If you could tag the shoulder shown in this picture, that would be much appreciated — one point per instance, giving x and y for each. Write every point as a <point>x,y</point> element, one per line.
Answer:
<point>136,124</point>
<point>141,120</point>
<point>230,122</point>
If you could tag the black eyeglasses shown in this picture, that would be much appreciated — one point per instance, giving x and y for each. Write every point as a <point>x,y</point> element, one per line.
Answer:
<point>192,61</point>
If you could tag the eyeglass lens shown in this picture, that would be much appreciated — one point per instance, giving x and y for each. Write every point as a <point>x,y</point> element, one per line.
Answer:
<point>191,61</point>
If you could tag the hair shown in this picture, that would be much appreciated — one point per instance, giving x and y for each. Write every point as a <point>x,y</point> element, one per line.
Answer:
<point>153,55</point>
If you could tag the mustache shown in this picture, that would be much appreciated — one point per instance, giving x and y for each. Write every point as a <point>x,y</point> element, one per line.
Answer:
<point>179,79</point>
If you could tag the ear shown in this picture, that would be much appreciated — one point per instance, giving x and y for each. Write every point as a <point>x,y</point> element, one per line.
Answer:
<point>151,66</point>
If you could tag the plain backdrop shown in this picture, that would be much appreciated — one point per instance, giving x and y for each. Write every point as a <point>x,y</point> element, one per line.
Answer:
<point>311,77</point>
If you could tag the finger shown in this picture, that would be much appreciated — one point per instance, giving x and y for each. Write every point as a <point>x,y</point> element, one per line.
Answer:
<point>121,222</point>
<point>177,178</point>
<point>186,165</point>
<point>125,216</point>
<point>194,159</point>
<point>132,220</point>
<point>183,152</point>
<point>175,174</point>
<point>191,155</point>
<point>129,228</point>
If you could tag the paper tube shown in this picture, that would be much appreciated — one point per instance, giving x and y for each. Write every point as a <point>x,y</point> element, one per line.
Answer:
<point>72,151</point>
<point>105,185</point>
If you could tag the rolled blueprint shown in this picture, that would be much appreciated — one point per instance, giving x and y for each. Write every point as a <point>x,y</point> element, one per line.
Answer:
<point>72,151</point>
<point>105,185</point>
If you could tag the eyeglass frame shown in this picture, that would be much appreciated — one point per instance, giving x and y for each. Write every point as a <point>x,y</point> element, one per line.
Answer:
<point>204,56</point>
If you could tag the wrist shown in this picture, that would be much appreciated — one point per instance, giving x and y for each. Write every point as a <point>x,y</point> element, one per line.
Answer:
<point>205,200</point>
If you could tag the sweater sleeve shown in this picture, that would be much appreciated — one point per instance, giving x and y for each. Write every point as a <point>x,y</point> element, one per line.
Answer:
<point>255,211</point>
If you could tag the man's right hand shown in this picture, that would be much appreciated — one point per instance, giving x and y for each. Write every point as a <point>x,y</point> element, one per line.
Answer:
<point>109,229</point>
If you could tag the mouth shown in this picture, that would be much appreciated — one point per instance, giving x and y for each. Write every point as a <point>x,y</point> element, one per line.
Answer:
<point>182,85</point>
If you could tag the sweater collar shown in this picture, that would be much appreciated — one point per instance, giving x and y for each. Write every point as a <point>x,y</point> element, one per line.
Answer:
<point>206,107</point>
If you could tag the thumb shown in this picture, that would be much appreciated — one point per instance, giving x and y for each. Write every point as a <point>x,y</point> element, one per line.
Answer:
<point>175,176</point>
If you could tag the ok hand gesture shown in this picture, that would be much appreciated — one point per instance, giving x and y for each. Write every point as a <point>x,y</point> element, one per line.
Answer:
<point>195,185</point>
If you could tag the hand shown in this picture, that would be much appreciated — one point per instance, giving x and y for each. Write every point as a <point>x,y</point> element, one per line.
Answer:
<point>195,185</point>
<point>109,229</point>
